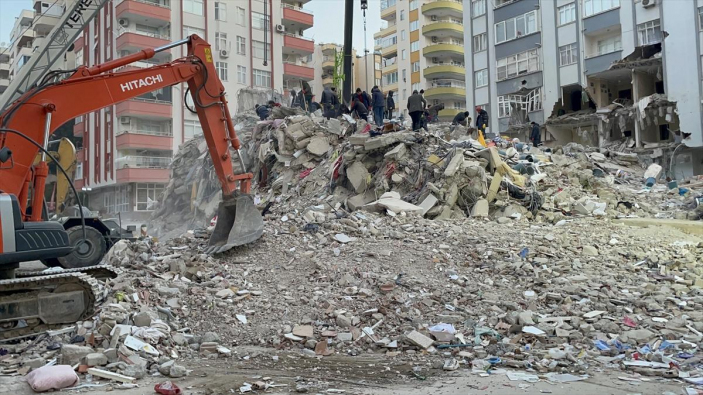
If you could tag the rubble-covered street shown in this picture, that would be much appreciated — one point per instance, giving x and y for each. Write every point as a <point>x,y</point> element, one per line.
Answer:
<point>402,263</point>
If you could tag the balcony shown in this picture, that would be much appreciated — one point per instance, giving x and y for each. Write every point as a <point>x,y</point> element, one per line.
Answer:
<point>449,27</point>
<point>327,80</point>
<point>389,50</point>
<point>144,139</point>
<point>297,45</point>
<point>443,8</point>
<point>5,67</point>
<point>296,17</point>
<point>447,88</point>
<point>145,108</point>
<point>328,62</point>
<point>389,68</point>
<point>392,28</point>
<point>601,62</point>
<point>449,70</point>
<point>4,83</point>
<point>297,71</point>
<point>388,8</point>
<point>154,12</point>
<point>445,48</point>
<point>126,175</point>
<point>131,40</point>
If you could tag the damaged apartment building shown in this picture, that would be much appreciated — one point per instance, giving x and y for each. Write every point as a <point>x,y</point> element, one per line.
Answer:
<point>618,74</point>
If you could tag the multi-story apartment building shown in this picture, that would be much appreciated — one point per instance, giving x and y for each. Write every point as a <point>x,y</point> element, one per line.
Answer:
<point>590,71</point>
<point>324,62</point>
<point>126,149</point>
<point>4,68</point>
<point>422,47</point>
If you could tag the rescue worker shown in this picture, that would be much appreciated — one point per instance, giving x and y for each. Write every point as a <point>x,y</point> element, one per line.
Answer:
<point>379,104</point>
<point>390,105</point>
<point>461,118</point>
<point>535,135</point>
<point>416,105</point>
<point>481,119</point>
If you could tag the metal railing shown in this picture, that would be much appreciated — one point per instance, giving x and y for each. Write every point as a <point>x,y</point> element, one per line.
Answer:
<point>387,4</point>
<point>295,7</point>
<point>150,100</point>
<point>447,20</point>
<point>122,31</point>
<point>447,84</point>
<point>158,3</point>
<point>143,162</point>
<point>296,63</point>
<point>161,133</point>
<point>457,64</point>
<point>450,41</point>
<point>298,36</point>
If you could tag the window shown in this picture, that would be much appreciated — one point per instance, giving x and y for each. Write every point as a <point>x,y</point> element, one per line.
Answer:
<point>478,8</point>
<point>567,14</point>
<point>390,78</point>
<point>377,82</point>
<point>189,31</point>
<point>513,28</point>
<point>402,35</point>
<point>193,6</point>
<point>402,15</point>
<point>609,45</point>
<point>258,48</point>
<point>221,41</point>
<point>148,30</point>
<point>416,67</point>
<point>700,18</point>
<point>388,41</point>
<point>514,65</point>
<point>147,195</point>
<point>529,103</point>
<point>79,171</point>
<point>221,68</point>
<point>220,11</point>
<point>191,129</point>
<point>387,3</point>
<point>415,87</point>
<point>241,17</point>
<point>481,78</point>
<point>262,78</point>
<point>414,25</point>
<point>413,4</point>
<point>649,32</point>
<point>591,7</point>
<point>258,21</point>
<point>404,55</point>
<point>415,46</point>
<point>377,66</point>
<point>405,74</point>
<point>568,54</point>
<point>459,105</point>
<point>480,42</point>
<point>242,75</point>
<point>241,45</point>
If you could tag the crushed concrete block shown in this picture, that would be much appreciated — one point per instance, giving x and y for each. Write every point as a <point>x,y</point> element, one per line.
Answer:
<point>589,250</point>
<point>96,359</point>
<point>397,153</point>
<point>303,330</point>
<point>177,371</point>
<point>318,146</point>
<point>429,202</point>
<point>480,209</point>
<point>451,196</point>
<point>455,164</point>
<point>72,354</point>
<point>397,178</point>
<point>357,176</point>
<point>419,339</point>
<point>358,138</point>
<point>397,205</point>
<point>142,319</point>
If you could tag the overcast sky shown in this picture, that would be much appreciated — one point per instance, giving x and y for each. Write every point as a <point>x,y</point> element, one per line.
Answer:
<point>329,20</point>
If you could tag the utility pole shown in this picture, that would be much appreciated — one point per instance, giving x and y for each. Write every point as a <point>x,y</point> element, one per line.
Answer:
<point>348,26</point>
<point>366,64</point>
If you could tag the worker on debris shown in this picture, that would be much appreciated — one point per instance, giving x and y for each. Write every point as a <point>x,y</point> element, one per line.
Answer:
<point>360,109</point>
<point>379,104</point>
<point>294,99</point>
<point>328,101</point>
<point>262,111</point>
<point>390,105</point>
<point>535,135</point>
<point>481,119</point>
<point>416,105</point>
<point>461,118</point>
<point>361,96</point>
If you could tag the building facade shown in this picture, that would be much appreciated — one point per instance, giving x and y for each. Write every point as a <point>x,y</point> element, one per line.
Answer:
<point>422,47</point>
<point>127,148</point>
<point>593,72</point>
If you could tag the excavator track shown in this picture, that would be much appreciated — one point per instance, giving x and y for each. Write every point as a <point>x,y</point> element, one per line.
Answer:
<point>100,272</point>
<point>36,301</point>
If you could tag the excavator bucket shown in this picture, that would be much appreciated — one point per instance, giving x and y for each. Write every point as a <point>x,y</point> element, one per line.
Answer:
<point>238,222</point>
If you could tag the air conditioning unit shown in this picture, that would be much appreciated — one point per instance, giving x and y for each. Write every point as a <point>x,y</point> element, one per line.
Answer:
<point>649,3</point>
<point>123,22</point>
<point>280,28</point>
<point>125,120</point>
<point>434,39</point>
<point>224,53</point>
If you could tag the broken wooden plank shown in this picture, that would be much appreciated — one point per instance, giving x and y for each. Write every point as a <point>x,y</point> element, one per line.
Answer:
<point>111,376</point>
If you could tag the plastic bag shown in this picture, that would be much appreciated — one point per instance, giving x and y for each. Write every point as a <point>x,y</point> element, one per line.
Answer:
<point>52,378</point>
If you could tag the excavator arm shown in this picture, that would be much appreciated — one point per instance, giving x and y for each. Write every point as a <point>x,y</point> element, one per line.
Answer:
<point>39,112</point>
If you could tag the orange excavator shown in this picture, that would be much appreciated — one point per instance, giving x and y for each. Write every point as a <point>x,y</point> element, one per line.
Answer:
<point>32,304</point>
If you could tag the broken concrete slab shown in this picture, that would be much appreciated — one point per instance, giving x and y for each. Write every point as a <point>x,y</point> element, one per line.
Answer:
<point>318,146</point>
<point>427,203</point>
<point>419,339</point>
<point>397,206</point>
<point>480,209</point>
<point>455,164</point>
<point>357,176</point>
<point>396,153</point>
<point>356,202</point>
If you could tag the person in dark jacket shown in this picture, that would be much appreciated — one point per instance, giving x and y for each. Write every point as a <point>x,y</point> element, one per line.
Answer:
<point>461,118</point>
<point>262,112</point>
<point>390,105</point>
<point>481,119</point>
<point>328,102</point>
<point>535,135</point>
<point>360,96</point>
<point>361,111</point>
<point>294,99</point>
<point>416,105</point>
<point>379,104</point>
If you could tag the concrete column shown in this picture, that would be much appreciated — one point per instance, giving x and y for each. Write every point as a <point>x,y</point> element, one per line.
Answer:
<point>635,99</point>
<point>600,133</point>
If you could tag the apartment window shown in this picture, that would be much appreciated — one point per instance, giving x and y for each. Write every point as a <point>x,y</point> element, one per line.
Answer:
<point>402,35</point>
<point>242,75</point>
<point>221,68</point>
<point>193,6</point>
<point>388,41</point>
<point>514,65</point>
<point>258,49</point>
<point>148,30</point>
<point>567,14</point>
<point>402,15</point>
<point>377,66</point>
<point>413,4</point>
<point>416,67</point>
<point>390,78</point>
<point>649,32</point>
<point>700,18</point>
<point>517,27</point>
<point>403,54</point>
<point>478,8</point>
<point>528,103</point>
<point>405,75</point>
<point>481,78</point>
<point>262,78</point>
<point>189,31</point>
<point>480,42</point>
<point>568,54</point>
<point>241,45</point>
<point>415,46</point>
<point>191,129</point>
<point>377,82</point>
<point>221,41</point>
<point>459,105</point>
<point>609,45</point>
<point>258,21</point>
<point>220,11</point>
<point>241,17</point>
<point>414,25</point>
<point>148,193</point>
<point>592,7</point>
